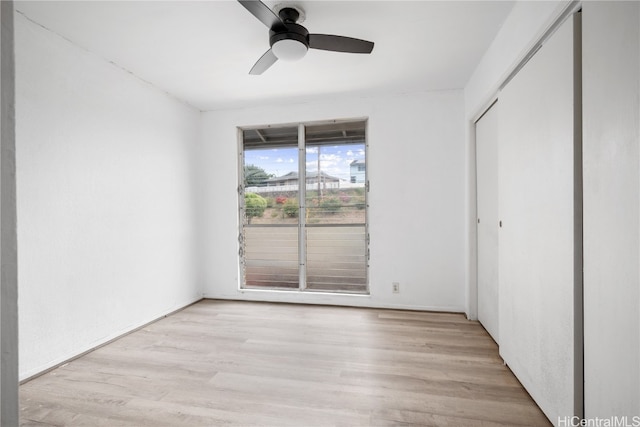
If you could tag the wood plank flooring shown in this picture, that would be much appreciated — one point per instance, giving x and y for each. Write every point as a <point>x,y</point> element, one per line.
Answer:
<point>260,364</point>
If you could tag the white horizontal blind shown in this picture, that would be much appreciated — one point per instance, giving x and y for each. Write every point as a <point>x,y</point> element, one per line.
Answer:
<point>336,258</point>
<point>271,257</point>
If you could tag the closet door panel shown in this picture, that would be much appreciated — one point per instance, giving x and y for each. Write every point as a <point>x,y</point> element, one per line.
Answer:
<point>536,240</point>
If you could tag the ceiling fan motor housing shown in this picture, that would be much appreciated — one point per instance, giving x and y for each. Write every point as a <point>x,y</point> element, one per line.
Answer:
<point>290,42</point>
<point>292,32</point>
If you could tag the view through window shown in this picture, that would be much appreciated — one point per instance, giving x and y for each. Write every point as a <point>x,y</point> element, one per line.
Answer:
<point>311,236</point>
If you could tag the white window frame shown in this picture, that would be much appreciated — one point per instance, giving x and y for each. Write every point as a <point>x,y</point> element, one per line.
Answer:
<point>302,285</point>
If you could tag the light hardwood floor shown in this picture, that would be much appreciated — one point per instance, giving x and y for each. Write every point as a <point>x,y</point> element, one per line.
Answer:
<point>262,364</point>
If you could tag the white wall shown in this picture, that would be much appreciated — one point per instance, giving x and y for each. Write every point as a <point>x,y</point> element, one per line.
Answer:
<point>417,220</point>
<point>611,83</point>
<point>9,414</point>
<point>106,209</point>
<point>526,24</point>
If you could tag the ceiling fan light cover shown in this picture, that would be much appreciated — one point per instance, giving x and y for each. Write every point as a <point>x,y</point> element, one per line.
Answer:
<point>289,50</point>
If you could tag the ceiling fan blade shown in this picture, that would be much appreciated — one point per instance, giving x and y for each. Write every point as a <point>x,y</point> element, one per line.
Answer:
<point>339,43</point>
<point>263,64</point>
<point>263,13</point>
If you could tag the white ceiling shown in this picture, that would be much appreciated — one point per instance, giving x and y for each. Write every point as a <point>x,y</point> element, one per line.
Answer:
<point>201,51</point>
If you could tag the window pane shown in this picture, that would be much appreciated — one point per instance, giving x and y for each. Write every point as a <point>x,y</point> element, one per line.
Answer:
<point>271,176</point>
<point>271,137</point>
<point>336,245</point>
<point>271,206</point>
<point>336,173</point>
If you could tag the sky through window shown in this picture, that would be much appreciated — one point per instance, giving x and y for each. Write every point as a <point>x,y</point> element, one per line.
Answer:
<point>335,160</point>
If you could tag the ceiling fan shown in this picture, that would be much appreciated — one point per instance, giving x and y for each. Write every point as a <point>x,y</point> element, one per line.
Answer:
<point>290,41</point>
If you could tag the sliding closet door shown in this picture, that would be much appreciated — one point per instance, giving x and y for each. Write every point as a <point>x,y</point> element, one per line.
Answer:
<point>487,197</point>
<point>539,237</point>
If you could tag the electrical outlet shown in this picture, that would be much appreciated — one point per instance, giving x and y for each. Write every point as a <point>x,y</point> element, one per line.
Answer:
<point>396,287</point>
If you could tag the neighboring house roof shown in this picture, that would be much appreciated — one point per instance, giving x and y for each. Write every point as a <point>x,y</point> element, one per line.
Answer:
<point>294,176</point>
<point>357,162</point>
<point>290,175</point>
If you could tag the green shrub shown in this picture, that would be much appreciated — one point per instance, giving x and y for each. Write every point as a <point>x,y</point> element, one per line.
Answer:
<point>270,202</point>
<point>290,208</point>
<point>359,202</point>
<point>330,205</point>
<point>254,205</point>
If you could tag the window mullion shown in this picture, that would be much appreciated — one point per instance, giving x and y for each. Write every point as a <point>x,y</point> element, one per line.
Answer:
<point>241,205</point>
<point>302,190</point>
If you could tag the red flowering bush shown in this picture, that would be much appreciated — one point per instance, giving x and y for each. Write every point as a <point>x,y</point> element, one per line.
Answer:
<point>281,200</point>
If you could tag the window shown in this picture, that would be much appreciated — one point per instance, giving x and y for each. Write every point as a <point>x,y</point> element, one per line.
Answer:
<point>303,210</point>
